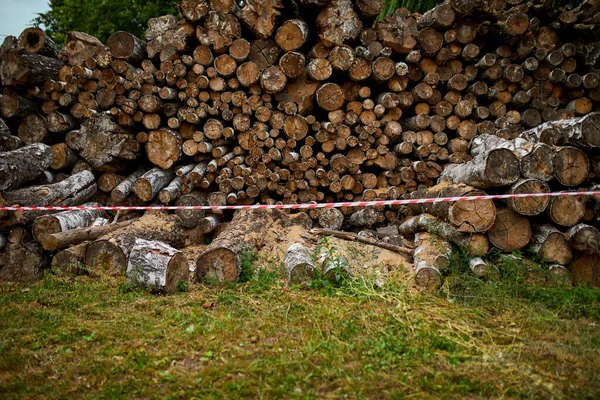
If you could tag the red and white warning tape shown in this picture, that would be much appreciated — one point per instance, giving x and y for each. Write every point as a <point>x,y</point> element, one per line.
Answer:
<point>306,206</point>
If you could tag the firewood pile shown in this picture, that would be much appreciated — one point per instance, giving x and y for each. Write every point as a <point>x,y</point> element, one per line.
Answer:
<point>236,103</point>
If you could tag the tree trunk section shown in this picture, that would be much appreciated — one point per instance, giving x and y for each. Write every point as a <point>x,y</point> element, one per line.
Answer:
<point>24,164</point>
<point>62,239</point>
<point>430,257</point>
<point>54,194</point>
<point>221,260</point>
<point>465,215</point>
<point>35,41</point>
<point>156,266</point>
<point>63,221</point>
<point>584,238</point>
<point>497,167</point>
<point>510,232</point>
<point>529,205</point>
<point>111,250</point>
<point>147,186</point>
<point>124,45</point>
<point>551,245</point>
<point>475,244</point>
<point>22,260</point>
<point>299,265</point>
<point>101,141</point>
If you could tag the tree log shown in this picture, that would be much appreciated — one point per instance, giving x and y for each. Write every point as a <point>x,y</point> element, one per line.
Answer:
<point>69,261</point>
<point>35,41</point>
<point>497,167</point>
<point>147,186</point>
<point>431,255</point>
<point>128,47</point>
<point>566,211</point>
<point>63,221</point>
<point>101,141</point>
<point>20,68</point>
<point>475,244</point>
<point>582,131</point>
<point>510,232</point>
<point>551,245</point>
<point>299,265</point>
<point>125,188</point>
<point>163,147</point>
<point>584,238</point>
<point>23,164</point>
<point>586,270</point>
<point>529,205</point>
<point>221,260</point>
<point>466,216</point>
<point>61,240</point>
<point>338,23</point>
<point>331,218</point>
<point>22,260</point>
<point>111,250</point>
<point>156,266</point>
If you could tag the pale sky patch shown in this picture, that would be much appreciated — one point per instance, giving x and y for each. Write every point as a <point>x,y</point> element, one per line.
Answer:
<point>16,15</point>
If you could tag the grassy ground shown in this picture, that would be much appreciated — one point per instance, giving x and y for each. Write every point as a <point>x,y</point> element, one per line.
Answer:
<point>87,337</point>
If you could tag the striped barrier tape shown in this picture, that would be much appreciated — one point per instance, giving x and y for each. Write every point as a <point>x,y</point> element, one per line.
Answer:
<point>306,206</point>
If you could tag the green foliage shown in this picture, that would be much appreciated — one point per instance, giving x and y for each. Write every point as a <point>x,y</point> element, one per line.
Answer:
<point>101,18</point>
<point>248,258</point>
<point>182,286</point>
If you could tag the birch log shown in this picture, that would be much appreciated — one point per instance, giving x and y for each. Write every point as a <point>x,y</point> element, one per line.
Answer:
<point>156,266</point>
<point>298,264</point>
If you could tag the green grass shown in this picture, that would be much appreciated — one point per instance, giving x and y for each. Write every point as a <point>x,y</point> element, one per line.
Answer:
<point>94,338</point>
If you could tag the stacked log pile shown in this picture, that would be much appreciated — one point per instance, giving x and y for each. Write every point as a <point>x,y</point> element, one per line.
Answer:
<point>256,102</point>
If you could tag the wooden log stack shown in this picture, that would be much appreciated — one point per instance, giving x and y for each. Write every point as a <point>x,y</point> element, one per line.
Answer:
<point>244,103</point>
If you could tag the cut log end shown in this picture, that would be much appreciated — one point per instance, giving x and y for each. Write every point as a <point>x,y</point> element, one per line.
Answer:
<point>219,265</point>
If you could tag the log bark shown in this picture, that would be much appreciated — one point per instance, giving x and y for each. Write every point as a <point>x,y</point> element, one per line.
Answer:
<point>299,265</point>
<point>497,167</point>
<point>69,261</point>
<point>431,256</point>
<point>147,186</point>
<point>551,245</point>
<point>61,240</point>
<point>111,250</point>
<point>20,68</point>
<point>466,216</point>
<point>22,260</point>
<point>582,131</point>
<point>24,164</point>
<point>510,232</point>
<point>101,141</point>
<point>156,266</point>
<point>476,244</point>
<point>221,260</point>
<point>63,221</point>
